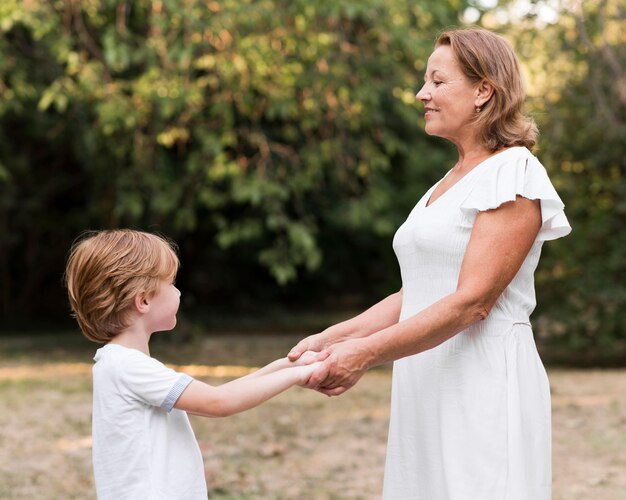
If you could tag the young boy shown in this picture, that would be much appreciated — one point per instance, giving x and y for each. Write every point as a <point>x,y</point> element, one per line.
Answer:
<point>121,290</point>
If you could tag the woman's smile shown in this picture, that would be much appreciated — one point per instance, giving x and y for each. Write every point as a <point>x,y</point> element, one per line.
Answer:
<point>429,112</point>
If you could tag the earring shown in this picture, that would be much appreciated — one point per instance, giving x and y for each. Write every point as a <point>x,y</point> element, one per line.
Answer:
<point>478,109</point>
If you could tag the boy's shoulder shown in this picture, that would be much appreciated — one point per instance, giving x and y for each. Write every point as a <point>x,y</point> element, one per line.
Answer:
<point>114,354</point>
<point>118,361</point>
<point>135,376</point>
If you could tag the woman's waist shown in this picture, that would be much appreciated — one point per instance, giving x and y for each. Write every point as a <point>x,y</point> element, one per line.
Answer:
<point>497,326</point>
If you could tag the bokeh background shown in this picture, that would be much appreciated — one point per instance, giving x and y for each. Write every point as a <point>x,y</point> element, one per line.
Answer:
<point>279,143</point>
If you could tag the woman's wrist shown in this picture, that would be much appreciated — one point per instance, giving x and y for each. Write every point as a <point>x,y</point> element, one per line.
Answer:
<point>337,333</point>
<point>370,351</point>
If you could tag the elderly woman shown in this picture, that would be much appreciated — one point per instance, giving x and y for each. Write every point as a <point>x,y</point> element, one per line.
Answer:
<point>470,402</point>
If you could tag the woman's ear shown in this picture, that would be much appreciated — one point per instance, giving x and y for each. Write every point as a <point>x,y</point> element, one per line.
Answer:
<point>141,303</point>
<point>484,91</point>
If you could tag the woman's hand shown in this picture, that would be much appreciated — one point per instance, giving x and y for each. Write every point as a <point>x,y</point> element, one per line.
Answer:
<point>309,357</point>
<point>311,343</point>
<point>345,364</point>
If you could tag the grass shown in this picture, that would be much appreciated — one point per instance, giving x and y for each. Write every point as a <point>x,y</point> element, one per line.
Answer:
<point>299,445</point>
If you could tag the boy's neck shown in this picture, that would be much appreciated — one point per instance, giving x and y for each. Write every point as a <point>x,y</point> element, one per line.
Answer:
<point>133,338</point>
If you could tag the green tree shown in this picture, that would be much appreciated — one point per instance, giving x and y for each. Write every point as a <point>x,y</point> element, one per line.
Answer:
<point>578,81</point>
<point>261,134</point>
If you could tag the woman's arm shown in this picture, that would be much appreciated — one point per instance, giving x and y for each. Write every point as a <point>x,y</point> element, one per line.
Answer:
<point>500,241</point>
<point>241,394</point>
<point>379,316</point>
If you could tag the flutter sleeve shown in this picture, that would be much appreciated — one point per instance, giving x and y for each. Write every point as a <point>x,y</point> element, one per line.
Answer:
<point>518,174</point>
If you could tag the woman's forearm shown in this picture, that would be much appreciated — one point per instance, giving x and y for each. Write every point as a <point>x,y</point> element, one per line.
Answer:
<point>381,315</point>
<point>427,329</point>
<point>350,359</point>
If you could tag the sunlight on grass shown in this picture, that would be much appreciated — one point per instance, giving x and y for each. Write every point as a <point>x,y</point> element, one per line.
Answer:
<point>49,370</point>
<point>69,445</point>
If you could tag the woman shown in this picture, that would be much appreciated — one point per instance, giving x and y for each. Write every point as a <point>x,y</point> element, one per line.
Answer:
<point>470,404</point>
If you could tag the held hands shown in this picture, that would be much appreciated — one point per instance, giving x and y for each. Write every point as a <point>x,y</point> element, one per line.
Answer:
<point>338,367</point>
<point>306,370</point>
<point>307,363</point>
<point>308,357</point>
<point>312,343</point>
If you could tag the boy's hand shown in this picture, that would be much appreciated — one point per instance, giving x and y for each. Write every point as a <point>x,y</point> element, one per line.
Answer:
<point>306,371</point>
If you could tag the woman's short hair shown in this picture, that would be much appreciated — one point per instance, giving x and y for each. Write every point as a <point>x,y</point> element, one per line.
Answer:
<point>107,269</point>
<point>486,56</point>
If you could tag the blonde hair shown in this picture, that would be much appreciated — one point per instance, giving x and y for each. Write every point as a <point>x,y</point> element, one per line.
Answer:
<point>106,270</point>
<point>486,56</point>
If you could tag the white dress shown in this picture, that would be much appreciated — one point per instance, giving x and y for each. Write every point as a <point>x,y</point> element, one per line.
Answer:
<point>470,418</point>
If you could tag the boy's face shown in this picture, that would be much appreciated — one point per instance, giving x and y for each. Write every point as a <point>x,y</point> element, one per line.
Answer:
<point>163,307</point>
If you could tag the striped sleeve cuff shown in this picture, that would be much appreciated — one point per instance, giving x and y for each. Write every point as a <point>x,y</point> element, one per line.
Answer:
<point>178,388</point>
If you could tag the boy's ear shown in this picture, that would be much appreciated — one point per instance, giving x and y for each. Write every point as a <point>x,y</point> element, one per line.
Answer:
<point>142,304</point>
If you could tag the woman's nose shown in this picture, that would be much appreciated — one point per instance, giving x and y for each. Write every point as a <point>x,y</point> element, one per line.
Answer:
<point>422,95</point>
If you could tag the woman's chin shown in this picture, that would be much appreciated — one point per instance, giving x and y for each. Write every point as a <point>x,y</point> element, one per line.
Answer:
<point>430,129</point>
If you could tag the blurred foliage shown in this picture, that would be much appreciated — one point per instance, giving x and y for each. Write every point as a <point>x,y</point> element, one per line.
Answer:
<point>260,134</point>
<point>279,143</point>
<point>577,73</point>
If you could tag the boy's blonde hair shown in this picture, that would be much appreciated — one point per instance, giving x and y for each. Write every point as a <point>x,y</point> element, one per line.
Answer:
<point>106,270</point>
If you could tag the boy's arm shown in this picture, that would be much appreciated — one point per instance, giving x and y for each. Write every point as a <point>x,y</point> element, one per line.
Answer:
<point>241,394</point>
<point>274,366</point>
<point>307,358</point>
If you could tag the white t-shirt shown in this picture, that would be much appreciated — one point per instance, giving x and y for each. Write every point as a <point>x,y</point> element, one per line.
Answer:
<point>143,448</point>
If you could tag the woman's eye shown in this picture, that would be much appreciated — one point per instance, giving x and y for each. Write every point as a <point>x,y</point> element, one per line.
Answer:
<point>437,83</point>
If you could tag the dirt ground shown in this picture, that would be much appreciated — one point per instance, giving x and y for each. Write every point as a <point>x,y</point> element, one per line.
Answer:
<point>300,445</point>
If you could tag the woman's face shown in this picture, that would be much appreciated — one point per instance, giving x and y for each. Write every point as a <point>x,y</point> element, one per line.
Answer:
<point>449,98</point>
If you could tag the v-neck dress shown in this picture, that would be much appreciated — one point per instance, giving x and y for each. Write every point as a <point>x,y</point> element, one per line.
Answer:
<point>470,418</point>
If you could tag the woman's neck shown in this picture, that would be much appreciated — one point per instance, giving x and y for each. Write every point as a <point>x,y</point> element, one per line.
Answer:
<point>471,156</point>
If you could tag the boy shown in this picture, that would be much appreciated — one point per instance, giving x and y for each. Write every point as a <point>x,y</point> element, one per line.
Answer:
<point>121,290</point>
